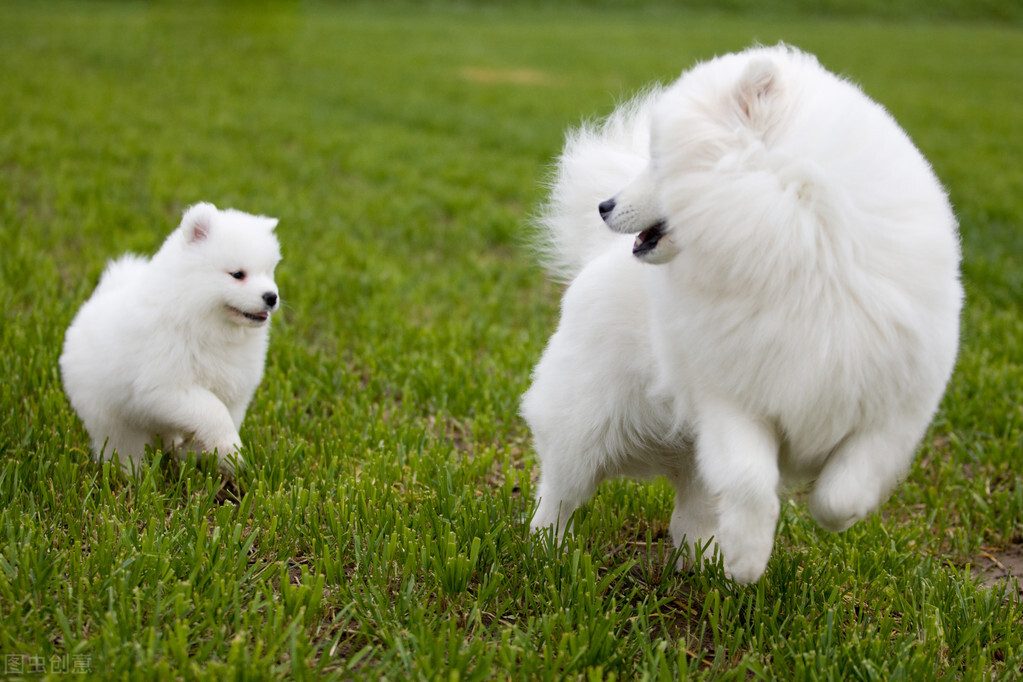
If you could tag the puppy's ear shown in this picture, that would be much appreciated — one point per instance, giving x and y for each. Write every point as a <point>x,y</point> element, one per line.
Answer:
<point>198,222</point>
<point>757,87</point>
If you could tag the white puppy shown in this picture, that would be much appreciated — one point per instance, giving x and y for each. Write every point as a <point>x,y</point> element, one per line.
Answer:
<point>175,346</point>
<point>788,313</point>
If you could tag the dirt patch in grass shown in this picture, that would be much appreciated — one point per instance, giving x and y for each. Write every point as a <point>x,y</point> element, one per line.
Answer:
<point>490,76</point>
<point>998,568</point>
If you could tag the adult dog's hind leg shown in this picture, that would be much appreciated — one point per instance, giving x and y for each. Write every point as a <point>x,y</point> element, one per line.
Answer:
<point>861,473</point>
<point>568,479</point>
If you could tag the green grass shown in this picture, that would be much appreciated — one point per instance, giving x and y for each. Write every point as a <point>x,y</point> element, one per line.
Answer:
<point>381,529</point>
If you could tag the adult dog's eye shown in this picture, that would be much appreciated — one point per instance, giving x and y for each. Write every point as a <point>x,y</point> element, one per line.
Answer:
<point>239,274</point>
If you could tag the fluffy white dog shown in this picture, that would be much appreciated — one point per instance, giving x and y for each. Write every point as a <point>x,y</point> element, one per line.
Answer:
<point>175,346</point>
<point>788,313</point>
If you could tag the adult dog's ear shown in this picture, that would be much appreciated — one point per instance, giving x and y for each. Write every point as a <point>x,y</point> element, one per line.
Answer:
<point>756,90</point>
<point>198,221</point>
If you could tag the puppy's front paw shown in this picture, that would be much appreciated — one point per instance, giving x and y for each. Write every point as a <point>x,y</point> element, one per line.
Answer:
<point>695,554</point>
<point>230,462</point>
<point>226,449</point>
<point>747,567</point>
<point>543,525</point>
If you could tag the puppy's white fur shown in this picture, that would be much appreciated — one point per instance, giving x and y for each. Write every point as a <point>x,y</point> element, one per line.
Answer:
<point>795,321</point>
<point>174,346</point>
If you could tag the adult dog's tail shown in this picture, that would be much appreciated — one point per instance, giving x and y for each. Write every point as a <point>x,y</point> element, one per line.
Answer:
<point>598,160</point>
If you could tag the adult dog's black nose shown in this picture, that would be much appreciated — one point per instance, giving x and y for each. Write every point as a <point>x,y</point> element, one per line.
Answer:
<point>270,298</point>
<point>605,208</point>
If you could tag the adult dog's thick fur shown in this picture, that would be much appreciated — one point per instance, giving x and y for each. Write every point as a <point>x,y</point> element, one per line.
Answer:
<point>787,313</point>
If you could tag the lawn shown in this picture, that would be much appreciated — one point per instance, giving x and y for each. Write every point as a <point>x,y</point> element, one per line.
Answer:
<point>380,530</point>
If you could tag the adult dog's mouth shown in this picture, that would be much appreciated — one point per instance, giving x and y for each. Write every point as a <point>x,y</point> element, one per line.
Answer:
<point>646,240</point>
<point>258,318</point>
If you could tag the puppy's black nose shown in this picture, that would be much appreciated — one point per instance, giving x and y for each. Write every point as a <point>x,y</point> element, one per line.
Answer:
<point>605,208</point>
<point>270,298</point>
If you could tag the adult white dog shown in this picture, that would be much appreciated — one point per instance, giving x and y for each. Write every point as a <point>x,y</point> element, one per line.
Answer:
<point>788,312</point>
<point>174,346</point>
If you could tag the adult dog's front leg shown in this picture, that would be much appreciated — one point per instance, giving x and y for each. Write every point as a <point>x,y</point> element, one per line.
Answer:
<point>694,519</point>
<point>737,456</point>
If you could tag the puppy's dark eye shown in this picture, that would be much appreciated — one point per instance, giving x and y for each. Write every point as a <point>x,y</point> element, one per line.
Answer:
<point>238,275</point>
